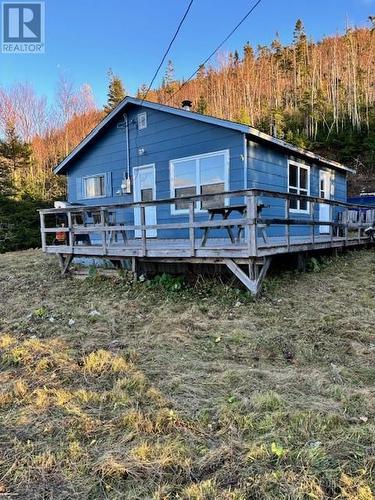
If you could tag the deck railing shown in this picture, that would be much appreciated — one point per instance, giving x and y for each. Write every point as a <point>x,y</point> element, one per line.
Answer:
<point>261,223</point>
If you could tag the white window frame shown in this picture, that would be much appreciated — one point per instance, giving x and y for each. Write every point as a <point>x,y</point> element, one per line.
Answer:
<point>198,209</point>
<point>306,167</point>
<point>84,192</point>
<point>142,120</point>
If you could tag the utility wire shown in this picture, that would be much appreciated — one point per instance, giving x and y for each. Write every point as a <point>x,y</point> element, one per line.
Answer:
<point>168,49</point>
<point>217,48</point>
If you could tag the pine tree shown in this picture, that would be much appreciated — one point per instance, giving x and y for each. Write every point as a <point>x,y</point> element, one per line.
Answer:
<point>15,157</point>
<point>243,116</point>
<point>300,41</point>
<point>276,46</point>
<point>202,105</point>
<point>168,79</point>
<point>116,92</point>
<point>201,73</point>
<point>13,149</point>
<point>248,53</point>
<point>6,183</point>
<point>142,90</point>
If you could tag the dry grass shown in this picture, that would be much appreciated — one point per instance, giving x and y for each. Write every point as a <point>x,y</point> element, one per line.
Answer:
<point>113,390</point>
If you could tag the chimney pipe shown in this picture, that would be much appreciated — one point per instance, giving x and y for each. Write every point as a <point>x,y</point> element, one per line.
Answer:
<point>186,104</point>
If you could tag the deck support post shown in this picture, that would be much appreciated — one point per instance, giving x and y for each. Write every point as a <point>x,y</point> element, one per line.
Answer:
<point>64,261</point>
<point>257,273</point>
<point>301,262</point>
<point>135,268</point>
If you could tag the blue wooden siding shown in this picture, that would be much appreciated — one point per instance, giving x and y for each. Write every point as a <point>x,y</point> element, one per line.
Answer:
<point>166,137</point>
<point>169,137</point>
<point>268,169</point>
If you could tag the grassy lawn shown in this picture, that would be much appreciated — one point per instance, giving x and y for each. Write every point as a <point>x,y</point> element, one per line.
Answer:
<point>110,389</point>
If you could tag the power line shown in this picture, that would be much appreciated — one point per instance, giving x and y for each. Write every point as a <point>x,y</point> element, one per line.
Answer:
<point>217,48</point>
<point>168,49</point>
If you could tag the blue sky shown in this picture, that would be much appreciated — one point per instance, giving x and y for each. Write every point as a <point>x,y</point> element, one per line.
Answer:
<point>86,37</point>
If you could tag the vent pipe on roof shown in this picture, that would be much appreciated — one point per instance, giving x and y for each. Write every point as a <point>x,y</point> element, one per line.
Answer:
<point>186,105</point>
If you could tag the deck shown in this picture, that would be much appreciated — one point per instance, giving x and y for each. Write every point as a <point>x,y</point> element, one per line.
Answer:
<point>242,227</point>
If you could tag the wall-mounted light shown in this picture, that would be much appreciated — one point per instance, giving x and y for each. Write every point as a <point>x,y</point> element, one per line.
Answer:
<point>141,151</point>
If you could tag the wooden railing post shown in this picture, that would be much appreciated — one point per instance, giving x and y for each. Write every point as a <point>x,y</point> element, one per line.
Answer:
<point>287,227</point>
<point>42,231</point>
<point>251,210</point>
<point>346,224</point>
<point>191,228</point>
<point>331,221</point>
<point>70,227</point>
<point>103,222</point>
<point>143,230</point>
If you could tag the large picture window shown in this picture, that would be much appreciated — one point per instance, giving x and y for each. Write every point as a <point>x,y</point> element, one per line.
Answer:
<point>94,187</point>
<point>201,174</point>
<point>299,183</point>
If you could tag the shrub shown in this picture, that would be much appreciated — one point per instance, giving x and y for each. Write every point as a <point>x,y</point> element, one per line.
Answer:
<point>19,224</point>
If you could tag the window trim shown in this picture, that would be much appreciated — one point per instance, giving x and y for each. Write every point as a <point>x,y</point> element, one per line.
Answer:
<point>142,114</point>
<point>225,152</point>
<point>84,179</point>
<point>306,167</point>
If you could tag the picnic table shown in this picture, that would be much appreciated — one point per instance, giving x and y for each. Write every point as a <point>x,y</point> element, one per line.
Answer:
<point>224,212</point>
<point>83,219</point>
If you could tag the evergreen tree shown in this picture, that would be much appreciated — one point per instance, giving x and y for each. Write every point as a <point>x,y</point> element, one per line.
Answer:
<point>276,46</point>
<point>116,92</point>
<point>248,53</point>
<point>243,116</point>
<point>168,79</point>
<point>142,90</point>
<point>6,183</point>
<point>15,155</point>
<point>300,41</point>
<point>14,150</point>
<point>201,73</point>
<point>202,105</point>
<point>299,35</point>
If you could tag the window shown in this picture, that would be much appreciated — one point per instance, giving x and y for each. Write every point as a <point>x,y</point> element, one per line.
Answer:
<point>94,187</point>
<point>299,183</point>
<point>142,120</point>
<point>203,174</point>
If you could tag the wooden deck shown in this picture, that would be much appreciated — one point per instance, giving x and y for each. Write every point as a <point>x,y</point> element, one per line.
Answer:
<point>267,226</point>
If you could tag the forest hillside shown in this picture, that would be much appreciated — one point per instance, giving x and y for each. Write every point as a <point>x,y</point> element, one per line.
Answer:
<point>318,95</point>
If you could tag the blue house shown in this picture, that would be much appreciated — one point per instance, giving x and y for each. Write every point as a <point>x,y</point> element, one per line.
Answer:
<point>164,174</point>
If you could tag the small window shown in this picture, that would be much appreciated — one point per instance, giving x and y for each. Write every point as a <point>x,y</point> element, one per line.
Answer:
<point>299,184</point>
<point>94,187</point>
<point>147,194</point>
<point>142,120</point>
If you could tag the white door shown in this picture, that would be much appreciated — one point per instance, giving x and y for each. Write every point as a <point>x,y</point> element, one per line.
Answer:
<point>144,190</point>
<point>324,192</point>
